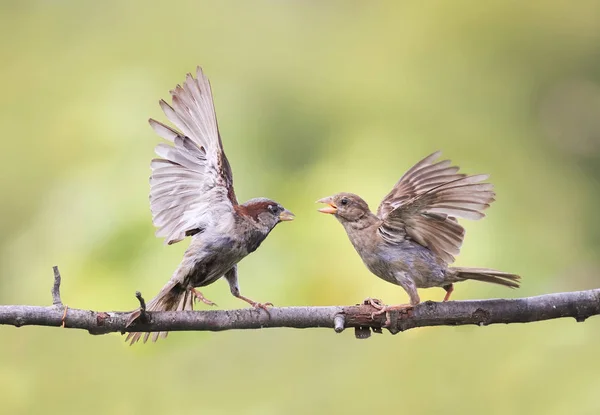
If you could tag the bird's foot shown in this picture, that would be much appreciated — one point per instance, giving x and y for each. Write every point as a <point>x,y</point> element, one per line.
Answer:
<point>385,309</point>
<point>198,296</point>
<point>256,305</point>
<point>374,302</point>
<point>263,306</point>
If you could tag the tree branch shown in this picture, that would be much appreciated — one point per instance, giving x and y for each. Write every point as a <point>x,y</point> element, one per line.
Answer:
<point>579,305</point>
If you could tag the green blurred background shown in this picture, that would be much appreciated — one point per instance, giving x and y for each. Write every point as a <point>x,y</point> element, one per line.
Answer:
<point>312,98</point>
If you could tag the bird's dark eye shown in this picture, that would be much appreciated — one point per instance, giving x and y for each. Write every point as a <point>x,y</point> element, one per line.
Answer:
<point>272,208</point>
<point>344,201</point>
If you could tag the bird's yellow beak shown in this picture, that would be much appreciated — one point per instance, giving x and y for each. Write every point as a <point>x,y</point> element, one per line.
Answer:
<point>286,215</point>
<point>331,209</point>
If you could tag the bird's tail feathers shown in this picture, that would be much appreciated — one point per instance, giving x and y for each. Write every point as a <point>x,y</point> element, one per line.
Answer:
<point>172,297</point>
<point>486,275</point>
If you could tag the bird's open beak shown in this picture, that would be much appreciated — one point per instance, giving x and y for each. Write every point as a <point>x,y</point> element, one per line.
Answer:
<point>331,209</point>
<point>286,215</point>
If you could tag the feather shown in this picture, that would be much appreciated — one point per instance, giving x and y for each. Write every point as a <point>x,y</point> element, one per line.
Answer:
<point>191,181</point>
<point>179,156</point>
<point>163,131</point>
<point>426,201</point>
<point>172,297</point>
<point>487,275</point>
<point>173,116</point>
<point>457,212</point>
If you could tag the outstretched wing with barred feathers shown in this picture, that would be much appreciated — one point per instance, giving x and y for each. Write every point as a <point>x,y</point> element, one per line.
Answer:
<point>426,201</point>
<point>191,186</point>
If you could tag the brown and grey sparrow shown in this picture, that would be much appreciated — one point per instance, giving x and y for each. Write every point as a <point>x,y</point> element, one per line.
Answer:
<point>415,234</point>
<point>192,195</point>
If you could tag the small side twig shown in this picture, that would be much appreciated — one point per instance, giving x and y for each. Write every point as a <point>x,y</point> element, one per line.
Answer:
<point>56,301</point>
<point>56,288</point>
<point>143,317</point>
<point>338,323</point>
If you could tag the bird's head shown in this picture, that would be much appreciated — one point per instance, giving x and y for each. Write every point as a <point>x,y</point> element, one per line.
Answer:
<point>346,207</point>
<point>266,213</point>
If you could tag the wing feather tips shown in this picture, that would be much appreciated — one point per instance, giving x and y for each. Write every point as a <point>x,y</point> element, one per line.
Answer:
<point>424,167</point>
<point>465,198</point>
<point>424,162</point>
<point>194,87</point>
<point>191,181</point>
<point>162,130</point>
<point>193,103</point>
<point>426,201</point>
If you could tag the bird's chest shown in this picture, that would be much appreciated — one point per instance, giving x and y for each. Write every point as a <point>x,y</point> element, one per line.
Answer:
<point>375,255</point>
<point>253,239</point>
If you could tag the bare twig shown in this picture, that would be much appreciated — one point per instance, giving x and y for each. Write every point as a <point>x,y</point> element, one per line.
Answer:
<point>579,305</point>
<point>338,323</point>
<point>56,288</point>
<point>138,295</point>
<point>56,301</point>
<point>142,312</point>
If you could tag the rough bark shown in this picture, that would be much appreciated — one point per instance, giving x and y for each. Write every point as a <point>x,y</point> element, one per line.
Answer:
<point>579,305</point>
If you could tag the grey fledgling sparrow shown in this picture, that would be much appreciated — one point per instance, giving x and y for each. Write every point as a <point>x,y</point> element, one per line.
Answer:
<point>192,195</point>
<point>415,234</point>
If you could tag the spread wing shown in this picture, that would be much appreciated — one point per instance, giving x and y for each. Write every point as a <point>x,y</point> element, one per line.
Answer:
<point>191,186</point>
<point>426,201</point>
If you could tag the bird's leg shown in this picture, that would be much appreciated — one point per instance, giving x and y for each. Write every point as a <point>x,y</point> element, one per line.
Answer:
<point>409,286</point>
<point>231,277</point>
<point>198,296</point>
<point>449,288</point>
